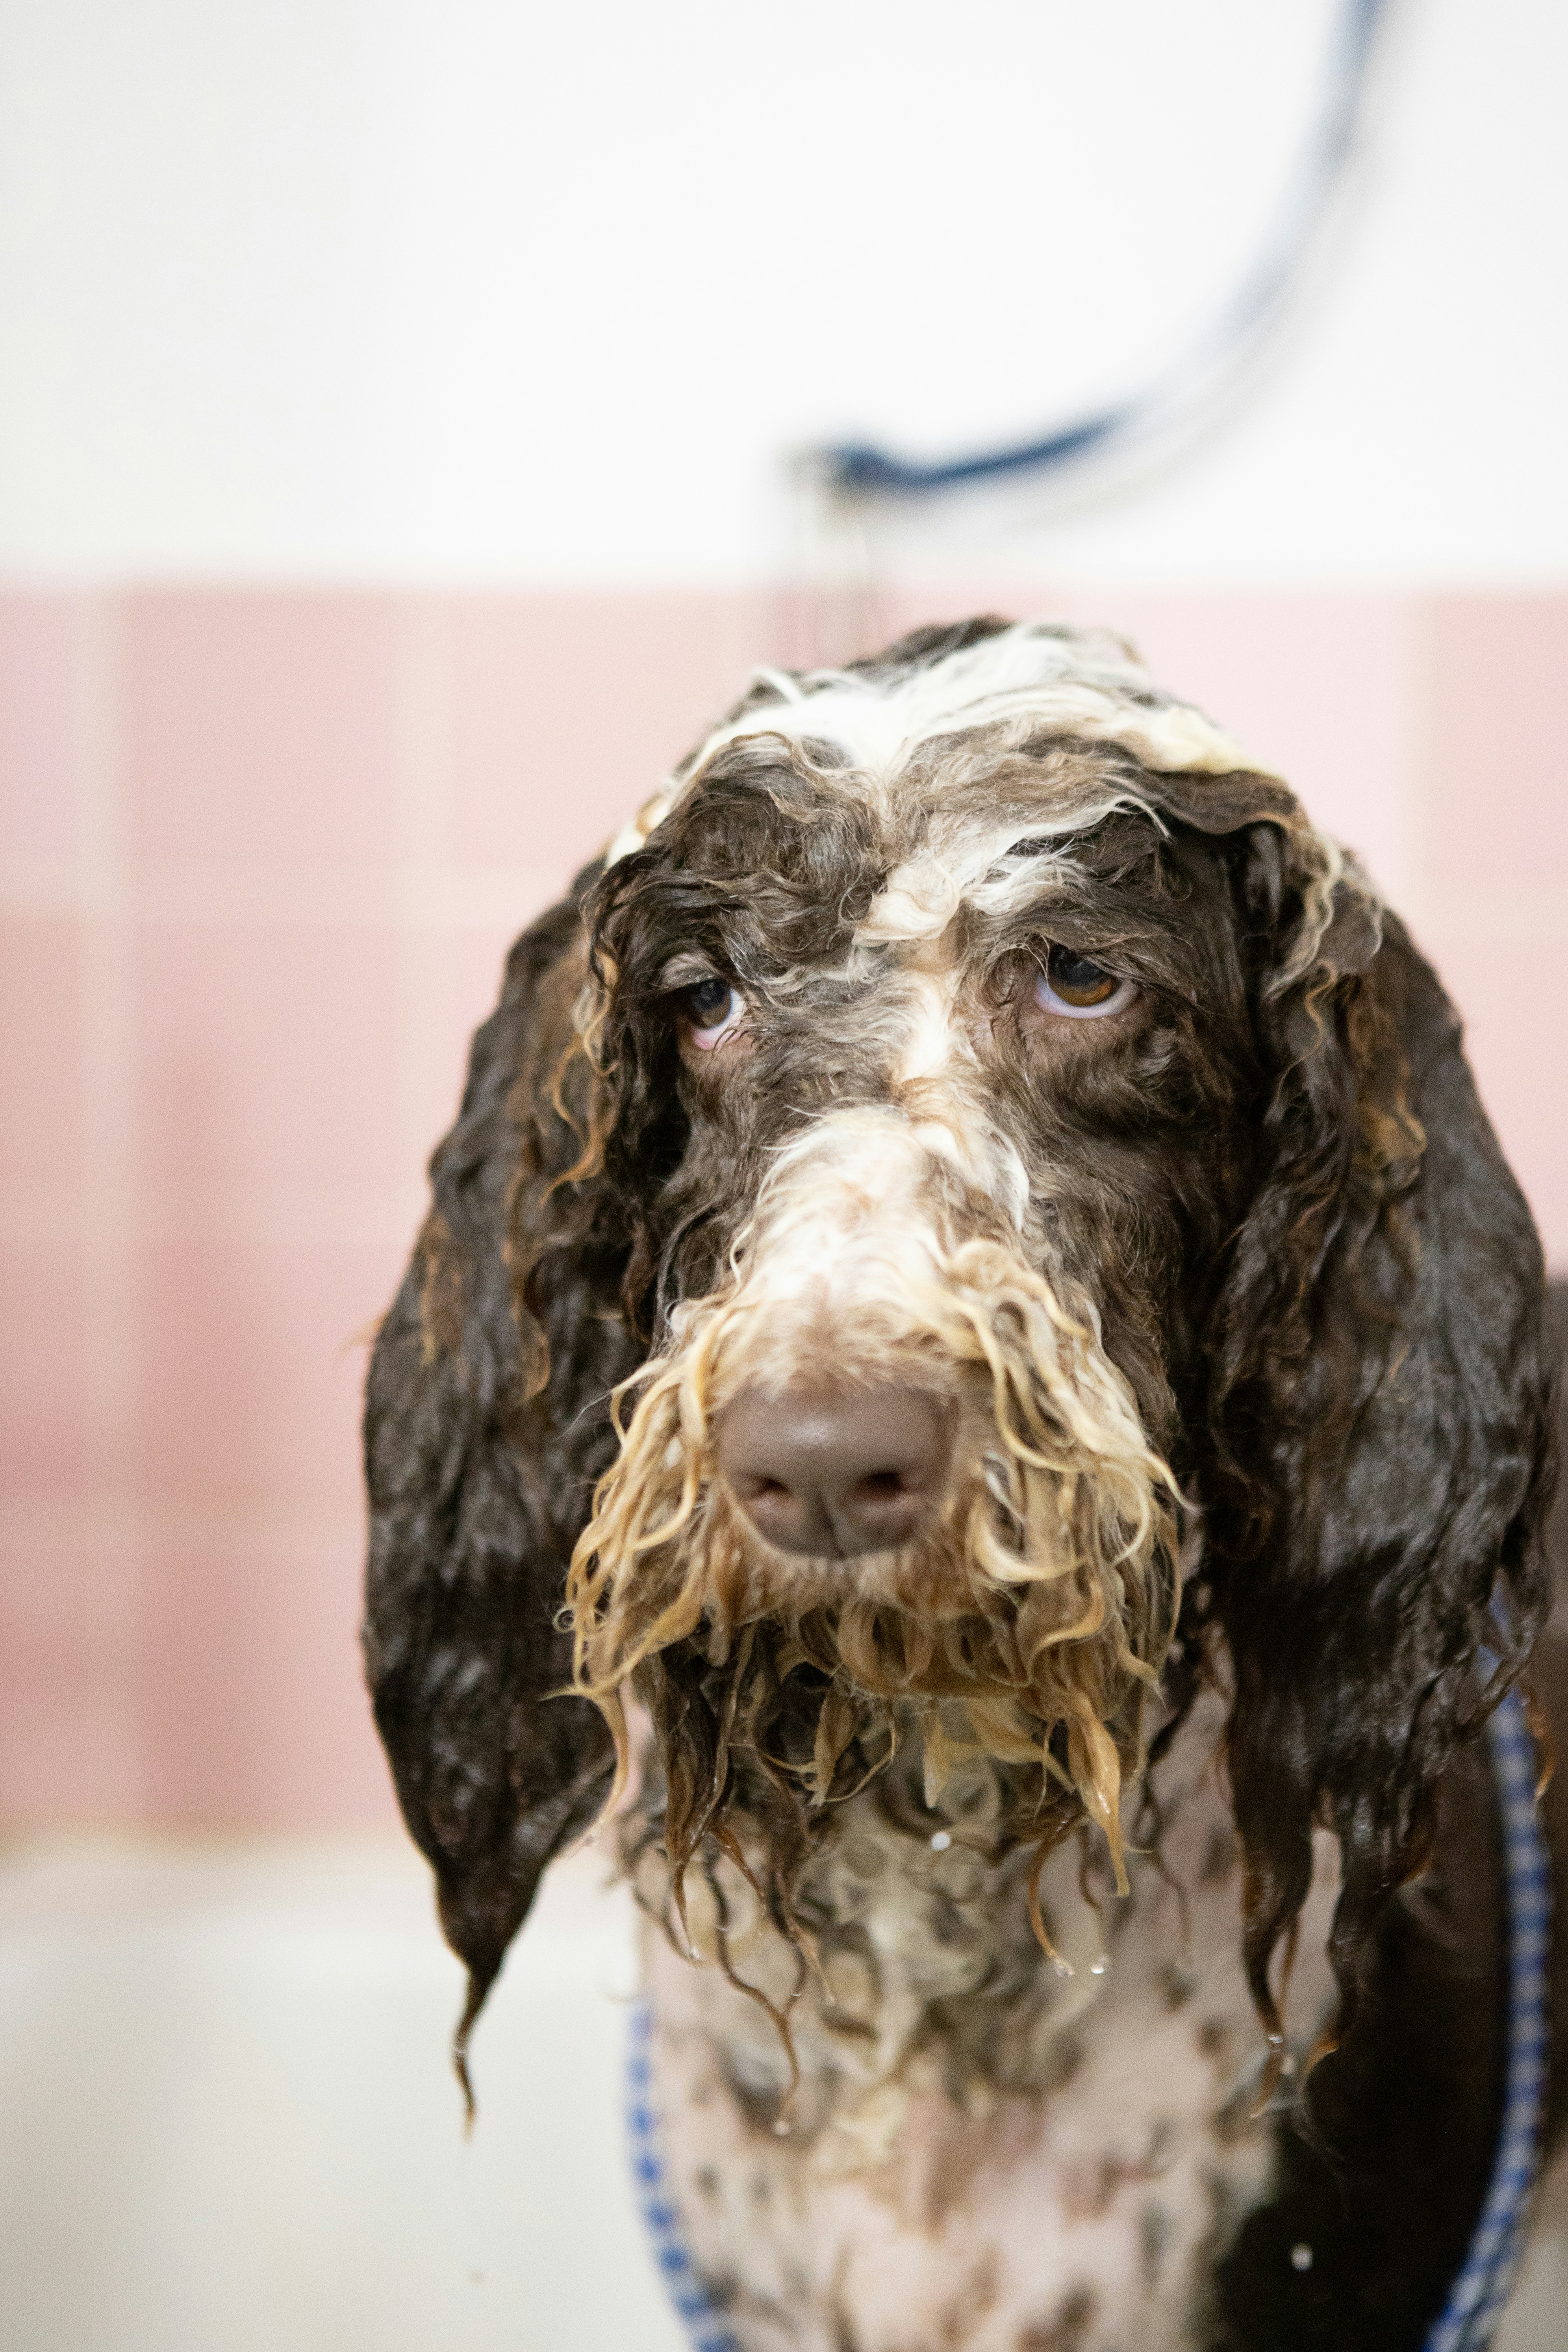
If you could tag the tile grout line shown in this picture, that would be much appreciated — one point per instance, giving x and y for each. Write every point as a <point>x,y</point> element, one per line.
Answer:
<point>109,1118</point>
<point>1425,898</point>
<point>481,899</point>
<point>430,895</point>
<point>424,788</point>
<point>111,1370</point>
<point>88,1521</point>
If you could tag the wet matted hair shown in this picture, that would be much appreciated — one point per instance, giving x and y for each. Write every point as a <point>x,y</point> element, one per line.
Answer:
<point>1235,1310</point>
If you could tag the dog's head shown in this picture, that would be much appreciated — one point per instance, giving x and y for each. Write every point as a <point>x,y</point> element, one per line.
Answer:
<point>1014,1159</point>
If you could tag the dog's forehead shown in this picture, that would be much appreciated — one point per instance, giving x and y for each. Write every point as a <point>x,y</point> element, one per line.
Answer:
<point>895,733</point>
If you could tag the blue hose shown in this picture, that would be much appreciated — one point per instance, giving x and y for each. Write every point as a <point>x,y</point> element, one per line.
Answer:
<point>865,469</point>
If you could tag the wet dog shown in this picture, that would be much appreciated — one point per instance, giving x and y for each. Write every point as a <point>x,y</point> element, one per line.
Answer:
<point>972,1284</point>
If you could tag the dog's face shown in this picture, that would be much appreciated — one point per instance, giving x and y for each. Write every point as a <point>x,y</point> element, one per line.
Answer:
<point>1006,1147</point>
<point>942,1016</point>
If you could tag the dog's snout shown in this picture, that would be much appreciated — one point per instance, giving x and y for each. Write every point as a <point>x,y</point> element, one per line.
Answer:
<point>837,1470</point>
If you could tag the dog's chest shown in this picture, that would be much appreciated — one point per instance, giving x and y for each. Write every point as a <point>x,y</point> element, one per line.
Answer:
<point>986,2155</point>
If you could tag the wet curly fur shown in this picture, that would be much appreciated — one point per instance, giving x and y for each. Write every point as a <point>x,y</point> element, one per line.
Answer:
<point>1269,1246</point>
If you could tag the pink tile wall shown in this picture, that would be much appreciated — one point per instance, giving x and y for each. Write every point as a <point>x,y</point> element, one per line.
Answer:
<point>260,856</point>
<point>260,734</point>
<point>1493,845</point>
<point>43,652</point>
<point>260,859</point>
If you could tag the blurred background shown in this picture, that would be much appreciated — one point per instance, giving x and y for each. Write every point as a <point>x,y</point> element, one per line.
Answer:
<point>397,409</point>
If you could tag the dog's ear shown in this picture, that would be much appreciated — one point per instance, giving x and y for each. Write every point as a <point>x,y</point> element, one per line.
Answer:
<point>486,1427</point>
<point>1380,1443</point>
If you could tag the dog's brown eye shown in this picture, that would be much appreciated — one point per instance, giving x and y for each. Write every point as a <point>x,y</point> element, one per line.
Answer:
<point>1077,989</point>
<point>706,1002</point>
<point>712,1007</point>
<point>1079,981</point>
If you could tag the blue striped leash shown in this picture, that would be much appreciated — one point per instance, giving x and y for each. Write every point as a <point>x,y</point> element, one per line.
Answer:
<point>655,2199</point>
<point>1490,2267</point>
<point>1476,2297</point>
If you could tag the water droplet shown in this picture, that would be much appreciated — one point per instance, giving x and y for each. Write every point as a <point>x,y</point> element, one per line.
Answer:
<point>1300,2258</point>
<point>940,1841</point>
<point>1063,1968</point>
<point>1098,1968</point>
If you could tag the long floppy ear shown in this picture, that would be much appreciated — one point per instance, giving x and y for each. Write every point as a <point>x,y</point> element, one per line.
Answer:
<point>1381,1440</point>
<point>486,1427</point>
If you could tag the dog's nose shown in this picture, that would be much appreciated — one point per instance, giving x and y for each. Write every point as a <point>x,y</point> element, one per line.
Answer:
<point>837,1470</point>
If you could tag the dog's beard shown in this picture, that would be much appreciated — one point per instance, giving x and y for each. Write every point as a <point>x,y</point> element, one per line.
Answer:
<point>1026,1624</point>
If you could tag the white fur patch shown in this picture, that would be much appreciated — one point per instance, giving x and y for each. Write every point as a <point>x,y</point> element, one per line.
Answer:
<point>1078,682</point>
<point>1066,2181</point>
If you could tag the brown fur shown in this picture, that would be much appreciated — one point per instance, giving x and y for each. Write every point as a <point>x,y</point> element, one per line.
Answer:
<point>1237,1281</point>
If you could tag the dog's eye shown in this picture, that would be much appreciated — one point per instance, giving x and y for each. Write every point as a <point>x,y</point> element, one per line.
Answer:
<point>712,1007</point>
<point>1076,986</point>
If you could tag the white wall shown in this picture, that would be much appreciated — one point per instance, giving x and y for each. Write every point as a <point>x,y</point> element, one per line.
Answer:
<point>229,2123</point>
<point>386,288</point>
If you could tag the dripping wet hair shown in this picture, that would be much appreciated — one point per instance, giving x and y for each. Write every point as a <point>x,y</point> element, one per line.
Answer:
<point>1306,1259</point>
